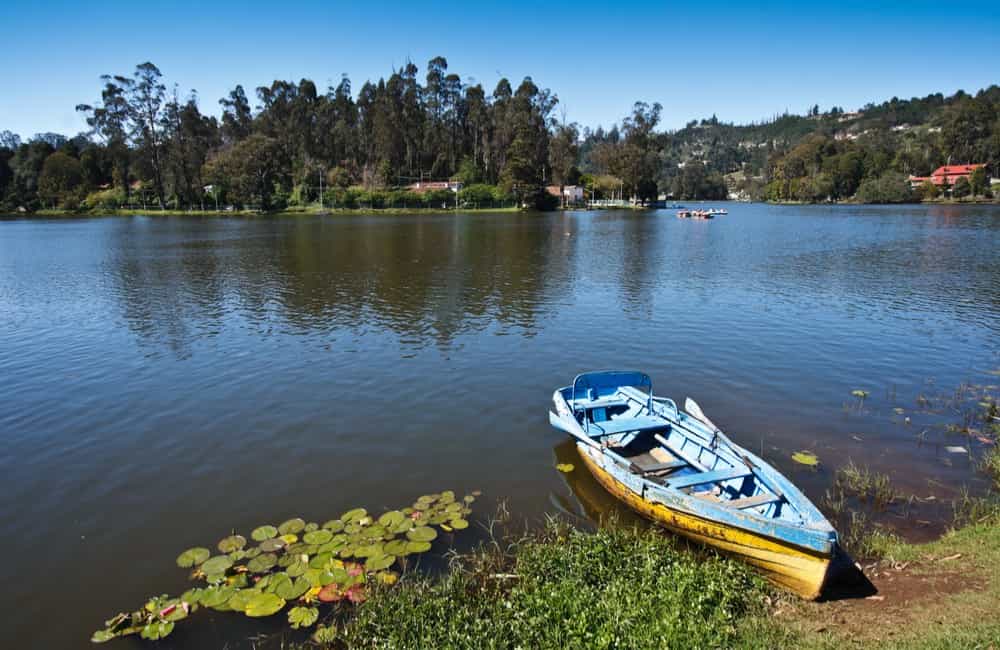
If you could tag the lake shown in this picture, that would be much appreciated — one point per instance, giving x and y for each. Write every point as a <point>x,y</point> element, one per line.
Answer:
<point>165,380</point>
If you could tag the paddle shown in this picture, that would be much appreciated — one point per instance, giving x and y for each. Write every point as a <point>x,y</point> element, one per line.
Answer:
<point>692,407</point>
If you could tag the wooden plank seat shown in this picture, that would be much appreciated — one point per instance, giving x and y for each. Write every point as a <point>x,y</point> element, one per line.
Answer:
<point>752,502</point>
<point>716,476</point>
<point>657,461</point>
<point>621,425</point>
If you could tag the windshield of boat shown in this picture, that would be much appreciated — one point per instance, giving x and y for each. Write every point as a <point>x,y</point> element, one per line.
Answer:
<point>608,382</point>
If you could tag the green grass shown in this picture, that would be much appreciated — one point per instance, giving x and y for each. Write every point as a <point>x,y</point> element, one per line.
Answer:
<point>638,588</point>
<point>614,588</point>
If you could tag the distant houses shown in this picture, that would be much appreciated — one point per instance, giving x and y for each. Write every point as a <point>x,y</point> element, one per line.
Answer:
<point>570,194</point>
<point>945,176</point>
<point>432,186</point>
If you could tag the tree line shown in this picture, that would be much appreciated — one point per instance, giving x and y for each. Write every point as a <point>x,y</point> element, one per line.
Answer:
<point>148,145</point>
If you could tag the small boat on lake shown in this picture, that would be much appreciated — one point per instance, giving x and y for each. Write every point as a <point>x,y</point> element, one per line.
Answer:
<point>679,470</point>
<point>695,214</point>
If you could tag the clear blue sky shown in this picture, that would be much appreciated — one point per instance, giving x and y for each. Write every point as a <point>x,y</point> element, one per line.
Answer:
<point>741,63</point>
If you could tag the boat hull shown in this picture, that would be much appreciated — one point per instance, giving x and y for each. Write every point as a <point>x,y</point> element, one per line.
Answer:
<point>787,565</point>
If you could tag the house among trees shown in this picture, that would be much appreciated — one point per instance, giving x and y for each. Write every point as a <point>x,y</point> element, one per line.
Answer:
<point>571,194</point>
<point>946,176</point>
<point>434,186</point>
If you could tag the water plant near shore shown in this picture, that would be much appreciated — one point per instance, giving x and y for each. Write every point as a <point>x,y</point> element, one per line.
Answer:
<point>298,563</point>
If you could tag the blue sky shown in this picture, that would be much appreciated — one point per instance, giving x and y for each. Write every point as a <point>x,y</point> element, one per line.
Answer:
<point>740,62</point>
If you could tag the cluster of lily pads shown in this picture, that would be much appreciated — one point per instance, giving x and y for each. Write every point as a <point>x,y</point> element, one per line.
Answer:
<point>298,563</point>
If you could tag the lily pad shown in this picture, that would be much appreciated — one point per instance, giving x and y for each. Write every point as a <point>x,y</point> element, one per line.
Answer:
<point>565,468</point>
<point>805,458</point>
<point>215,597</point>
<point>102,636</point>
<point>391,519</point>
<point>263,532</point>
<point>262,563</point>
<point>292,526</point>
<point>241,599</point>
<point>299,617</point>
<point>334,525</point>
<point>422,534</point>
<point>317,537</point>
<point>395,547</point>
<point>331,593</point>
<point>292,589</point>
<point>289,538</point>
<point>354,515</point>
<point>193,557</point>
<point>157,630</point>
<point>325,634</point>
<point>459,524</point>
<point>272,545</point>
<point>232,543</point>
<point>264,605</point>
<point>417,547</point>
<point>217,565</point>
<point>379,562</point>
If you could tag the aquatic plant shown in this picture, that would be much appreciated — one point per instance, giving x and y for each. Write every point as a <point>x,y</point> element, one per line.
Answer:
<point>299,564</point>
<point>806,458</point>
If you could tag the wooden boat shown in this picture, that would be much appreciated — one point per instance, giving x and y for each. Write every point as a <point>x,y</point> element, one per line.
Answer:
<point>679,470</point>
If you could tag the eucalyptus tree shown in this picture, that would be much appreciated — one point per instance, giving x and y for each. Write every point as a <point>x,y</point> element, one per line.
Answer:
<point>109,120</point>
<point>146,96</point>
<point>236,115</point>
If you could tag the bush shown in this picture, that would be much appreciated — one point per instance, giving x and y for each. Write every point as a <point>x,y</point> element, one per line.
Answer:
<point>110,199</point>
<point>439,199</point>
<point>890,187</point>
<point>929,190</point>
<point>961,188</point>
<point>478,194</point>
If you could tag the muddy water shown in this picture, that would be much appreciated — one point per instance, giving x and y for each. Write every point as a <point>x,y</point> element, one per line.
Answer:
<point>166,380</point>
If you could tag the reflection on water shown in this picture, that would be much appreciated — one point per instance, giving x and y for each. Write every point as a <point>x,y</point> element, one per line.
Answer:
<point>164,380</point>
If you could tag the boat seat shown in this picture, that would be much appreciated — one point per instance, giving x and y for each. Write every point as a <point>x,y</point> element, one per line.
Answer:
<point>621,425</point>
<point>752,502</point>
<point>716,476</point>
<point>662,468</point>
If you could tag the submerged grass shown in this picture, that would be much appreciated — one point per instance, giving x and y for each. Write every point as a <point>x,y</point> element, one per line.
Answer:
<point>613,588</point>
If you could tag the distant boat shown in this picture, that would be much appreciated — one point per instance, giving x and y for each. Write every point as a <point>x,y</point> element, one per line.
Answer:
<point>717,211</point>
<point>695,214</point>
<point>679,470</point>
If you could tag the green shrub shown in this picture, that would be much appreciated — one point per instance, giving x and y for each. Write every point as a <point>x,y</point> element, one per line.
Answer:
<point>109,199</point>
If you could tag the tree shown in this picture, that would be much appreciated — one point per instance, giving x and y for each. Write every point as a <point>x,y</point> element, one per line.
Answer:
<point>60,178</point>
<point>962,188</point>
<point>563,154</point>
<point>247,171</point>
<point>929,191</point>
<point>146,95</point>
<point>978,182</point>
<point>9,140</point>
<point>236,115</point>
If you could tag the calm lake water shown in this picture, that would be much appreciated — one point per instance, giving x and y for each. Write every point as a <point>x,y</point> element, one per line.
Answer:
<point>166,380</point>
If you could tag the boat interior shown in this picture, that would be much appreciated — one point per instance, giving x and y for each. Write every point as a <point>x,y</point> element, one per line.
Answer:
<point>669,449</point>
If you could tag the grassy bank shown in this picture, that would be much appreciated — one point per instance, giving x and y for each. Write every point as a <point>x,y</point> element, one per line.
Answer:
<point>614,588</point>
<point>640,588</point>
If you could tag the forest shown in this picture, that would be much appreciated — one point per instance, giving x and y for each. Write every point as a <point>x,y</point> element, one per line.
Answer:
<point>151,146</point>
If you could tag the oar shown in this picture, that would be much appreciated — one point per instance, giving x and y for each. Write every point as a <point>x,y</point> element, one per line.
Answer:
<point>692,407</point>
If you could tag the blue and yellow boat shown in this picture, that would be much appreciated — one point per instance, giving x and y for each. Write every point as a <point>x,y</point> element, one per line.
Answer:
<point>679,470</point>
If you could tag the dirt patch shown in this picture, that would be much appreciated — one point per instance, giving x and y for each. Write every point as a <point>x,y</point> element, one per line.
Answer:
<point>897,597</point>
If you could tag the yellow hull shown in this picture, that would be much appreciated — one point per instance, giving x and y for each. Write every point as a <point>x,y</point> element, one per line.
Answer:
<point>786,565</point>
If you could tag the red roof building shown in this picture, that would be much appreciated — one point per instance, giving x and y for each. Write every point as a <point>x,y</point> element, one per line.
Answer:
<point>946,175</point>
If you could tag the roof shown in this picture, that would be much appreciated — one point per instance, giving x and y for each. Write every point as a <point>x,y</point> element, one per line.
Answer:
<point>947,170</point>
